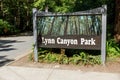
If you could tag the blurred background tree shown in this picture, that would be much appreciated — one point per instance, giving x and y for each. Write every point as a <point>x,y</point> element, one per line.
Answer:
<point>117,21</point>
<point>19,12</point>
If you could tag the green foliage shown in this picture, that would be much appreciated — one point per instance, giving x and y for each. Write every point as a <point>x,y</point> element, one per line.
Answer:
<point>85,59</point>
<point>75,59</point>
<point>39,4</point>
<point>55,5</point>
<point>47,56</point>
<point>31,57</point>
<point>113,49</point>
<point>19,13</point>
<point>94,60</point>
<point>51,57</point>
<point>6,28</point>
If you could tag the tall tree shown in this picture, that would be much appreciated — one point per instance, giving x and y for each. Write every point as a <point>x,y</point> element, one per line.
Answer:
<point>117,21</point>
<point>18,13</point>
<point>55,5</point>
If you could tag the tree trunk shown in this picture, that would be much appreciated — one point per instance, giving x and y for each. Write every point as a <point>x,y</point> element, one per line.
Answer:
<point>1,10</point>
<point>117,21</point>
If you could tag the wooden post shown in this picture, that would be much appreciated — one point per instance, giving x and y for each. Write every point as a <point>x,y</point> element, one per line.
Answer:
<point>35,35</point>
<point>46,9</point>
<point>103,38</point>
<point>62,51</point>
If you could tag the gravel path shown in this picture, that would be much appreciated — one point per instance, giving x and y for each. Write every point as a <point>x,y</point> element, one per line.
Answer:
<point>12,48</point>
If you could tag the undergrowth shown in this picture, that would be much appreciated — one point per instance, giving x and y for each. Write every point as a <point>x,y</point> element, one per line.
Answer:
<point>113,49</point>
<point>79,58</point>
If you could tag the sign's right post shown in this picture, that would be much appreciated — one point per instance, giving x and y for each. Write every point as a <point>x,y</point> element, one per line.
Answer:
<point>103,37</point>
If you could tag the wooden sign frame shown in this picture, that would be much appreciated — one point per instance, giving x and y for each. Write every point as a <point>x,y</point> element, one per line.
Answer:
<point>66,40</point>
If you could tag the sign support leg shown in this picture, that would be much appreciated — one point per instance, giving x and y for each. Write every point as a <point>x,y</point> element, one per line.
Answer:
<point>103,38</point>
<point>35,35</point>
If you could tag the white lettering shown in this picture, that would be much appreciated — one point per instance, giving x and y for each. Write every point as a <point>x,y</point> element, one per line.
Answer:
<point>82,41</point>
<point>87,41</point>
<point>59,41</point>
<point>93,42</point>
<point>48,41</point>
<point>67,41</point>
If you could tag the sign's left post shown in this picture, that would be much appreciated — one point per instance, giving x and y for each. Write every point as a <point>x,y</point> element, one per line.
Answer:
<point>35,35</point>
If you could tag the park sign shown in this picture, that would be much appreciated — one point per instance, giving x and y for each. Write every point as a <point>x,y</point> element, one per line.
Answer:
<point>71,30</point>
<point>77,30</point>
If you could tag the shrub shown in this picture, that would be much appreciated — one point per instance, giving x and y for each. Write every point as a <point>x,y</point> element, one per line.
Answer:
<point>113,49</point>
<point>47,56</point>
<point>6,28</point>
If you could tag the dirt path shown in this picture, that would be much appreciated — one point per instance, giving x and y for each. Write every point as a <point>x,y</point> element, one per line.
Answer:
<point>111,67</point>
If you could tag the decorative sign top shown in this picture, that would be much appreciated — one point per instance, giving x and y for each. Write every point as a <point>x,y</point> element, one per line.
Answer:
<point>96,11</point>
